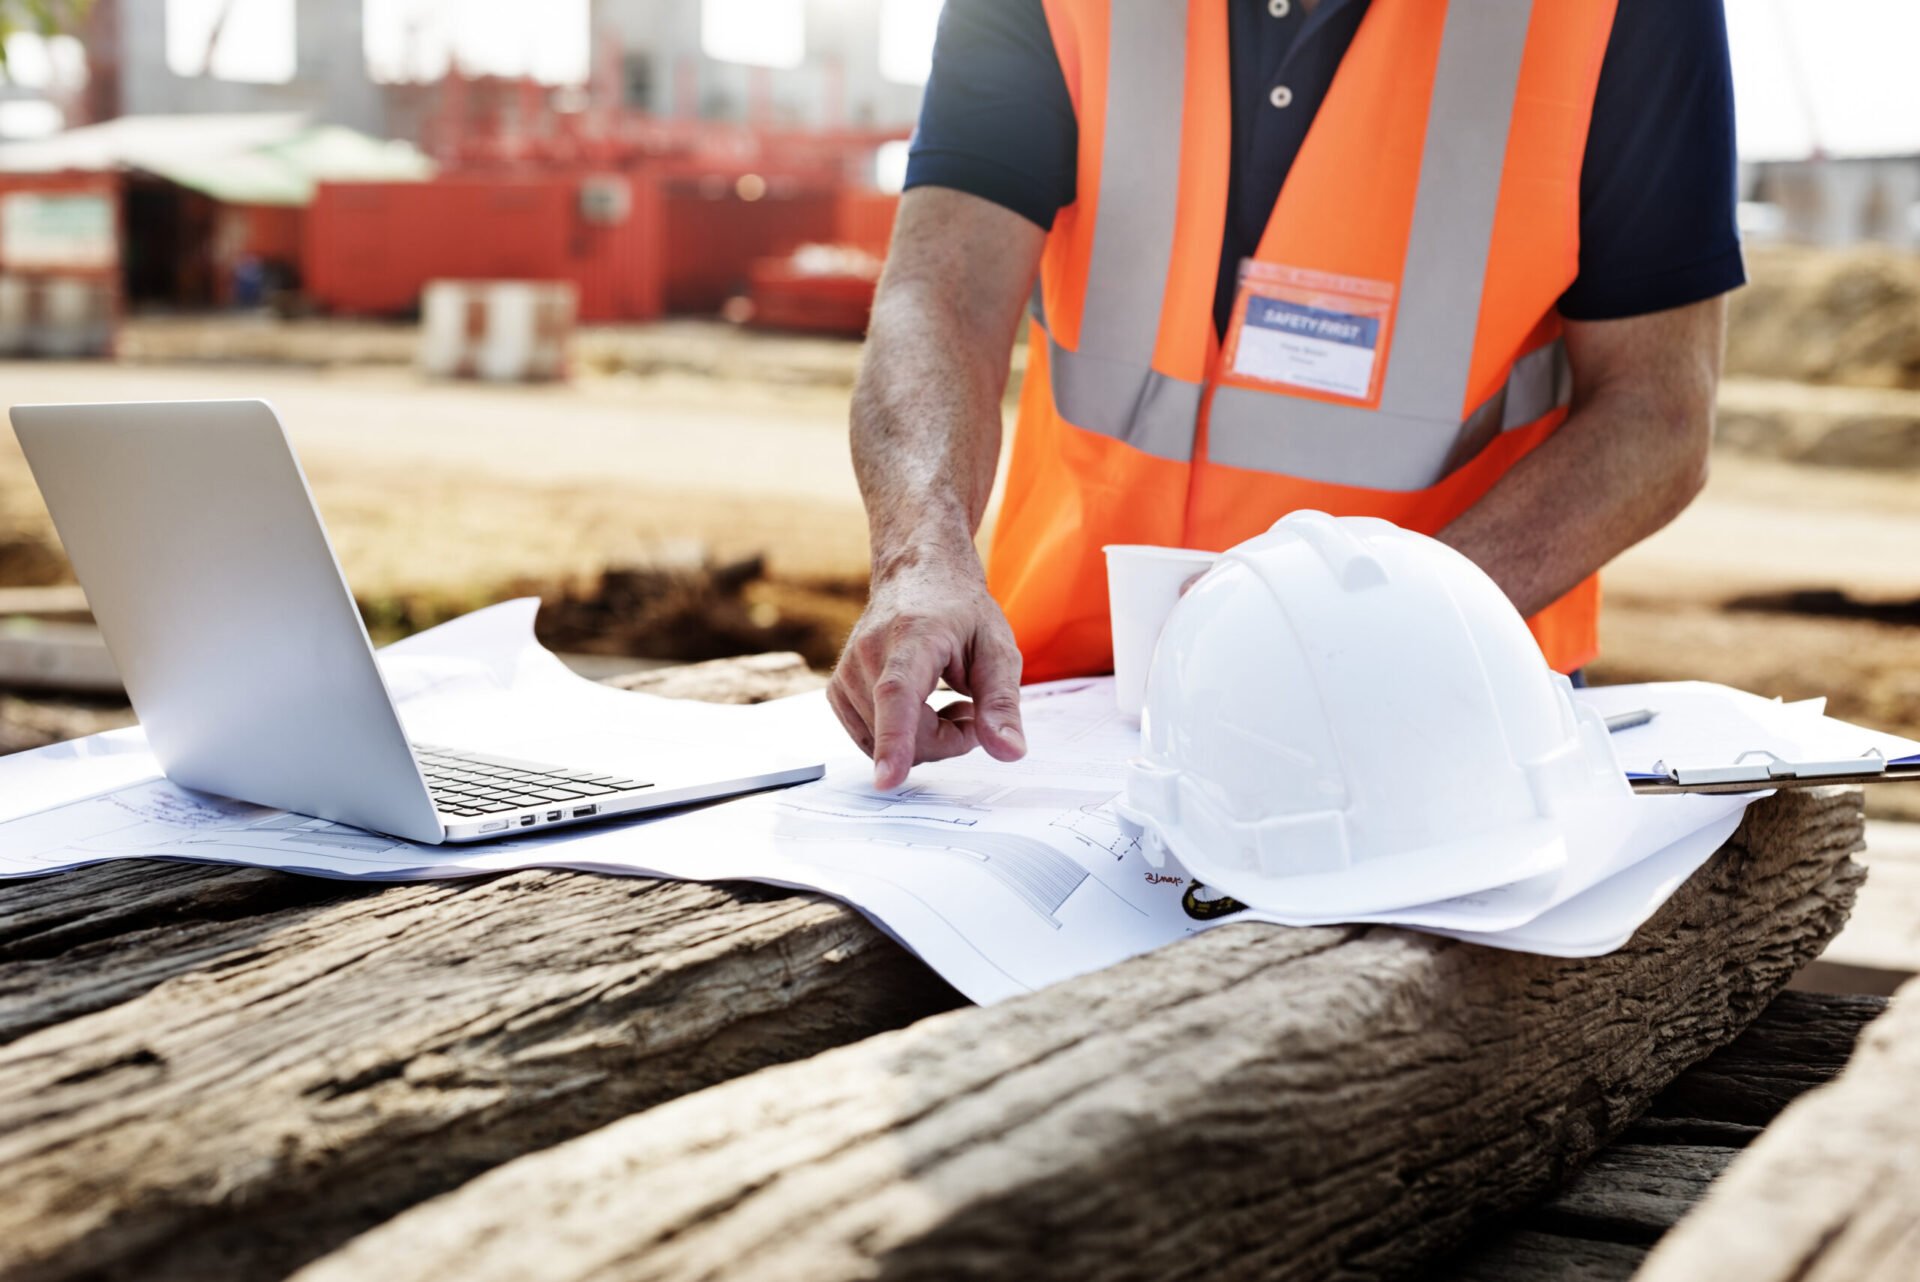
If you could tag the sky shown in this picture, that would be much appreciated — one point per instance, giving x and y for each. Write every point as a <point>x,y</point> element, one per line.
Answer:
<point>1835,75</point>
<point>415,39</point>
<point>1842,75</point>
<point>405,39</point>
<point>256,42</point>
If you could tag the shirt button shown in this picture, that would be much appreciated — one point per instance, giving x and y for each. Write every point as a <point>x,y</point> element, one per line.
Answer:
<point>1281,96</point>
<point>1279,8</point>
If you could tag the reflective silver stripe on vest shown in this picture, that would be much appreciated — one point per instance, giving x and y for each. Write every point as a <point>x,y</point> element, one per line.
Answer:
<point>1139,181</point>
<point>1414,439</point>
<point>1541,382</point>
<point>1438,316</point>
<point>1371,449</point>
<point>1153,412</point>
<point>1109,384</point>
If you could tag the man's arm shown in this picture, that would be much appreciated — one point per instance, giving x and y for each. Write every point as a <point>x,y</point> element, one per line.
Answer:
<point>1630,457</point>
<point>926,444</point>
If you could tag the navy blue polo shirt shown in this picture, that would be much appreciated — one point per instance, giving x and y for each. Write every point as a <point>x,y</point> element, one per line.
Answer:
<point>1657,184</point>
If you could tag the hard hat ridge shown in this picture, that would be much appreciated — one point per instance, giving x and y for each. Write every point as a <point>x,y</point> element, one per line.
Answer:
<point>1340,544</point>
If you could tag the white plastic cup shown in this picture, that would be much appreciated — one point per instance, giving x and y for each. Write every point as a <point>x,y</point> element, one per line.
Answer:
<point>1143,585</point>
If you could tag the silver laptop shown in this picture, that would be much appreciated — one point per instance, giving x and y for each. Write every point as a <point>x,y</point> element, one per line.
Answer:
<point>192,530</point>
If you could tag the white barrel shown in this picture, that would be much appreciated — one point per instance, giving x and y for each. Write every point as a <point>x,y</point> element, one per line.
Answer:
<point>443,328</point>
<point>75,318</point>
<point>501,331</point>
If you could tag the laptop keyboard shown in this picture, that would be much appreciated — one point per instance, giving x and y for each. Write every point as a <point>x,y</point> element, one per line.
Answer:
<point>470,784</point>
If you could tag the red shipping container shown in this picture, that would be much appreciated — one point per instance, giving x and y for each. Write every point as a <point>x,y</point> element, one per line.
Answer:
<point>714,234</point>
<point>268,234</point>
<point>865,220</point>
<point>371,247</point>
<point>785,299</point>
<point>685,242</point>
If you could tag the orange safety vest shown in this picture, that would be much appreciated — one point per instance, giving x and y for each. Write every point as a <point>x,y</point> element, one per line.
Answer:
<point>1443,167</point>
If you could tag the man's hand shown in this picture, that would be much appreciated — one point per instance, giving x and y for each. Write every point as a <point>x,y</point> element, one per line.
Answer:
<point>938,622</point>
<point>926,439</point>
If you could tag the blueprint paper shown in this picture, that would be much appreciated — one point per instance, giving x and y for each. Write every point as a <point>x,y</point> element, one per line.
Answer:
<point>1826,738</point>
<point>1604,917</point>
<point>68,771</point>
<point>1606,841</point>
<point>1003,876</point>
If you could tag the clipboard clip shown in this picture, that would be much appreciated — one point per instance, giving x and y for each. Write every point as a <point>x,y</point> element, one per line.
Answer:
<point>1774,769</point>
<point>1758,769</point>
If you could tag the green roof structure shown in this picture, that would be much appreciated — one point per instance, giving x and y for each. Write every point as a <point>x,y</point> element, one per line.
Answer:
<point>261,159</point>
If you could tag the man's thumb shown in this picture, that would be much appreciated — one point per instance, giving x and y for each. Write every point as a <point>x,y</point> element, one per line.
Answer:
<point>996,699</point>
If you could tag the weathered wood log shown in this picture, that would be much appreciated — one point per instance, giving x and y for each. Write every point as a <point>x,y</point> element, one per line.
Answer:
<point>35,722</point>
<point>1530,1256</point>
<point>65,657</point>
<point>67,603</point>
<point>101,936</point>
<point>1634,1192</point>
<point>304,1074</point>
<point>1831,1192</point>
<point>1250,1102</point>
<point>1880,948</point>
<point>1804,1042</point>
<point>1601,1225</point>
<point>1607,1217</point>
<point>224,1072</point>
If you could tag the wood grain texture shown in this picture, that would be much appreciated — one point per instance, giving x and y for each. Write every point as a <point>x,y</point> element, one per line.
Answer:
<point>1599,1227</point>
<point>1248,1103</point>
<point>1634,1192</point>
<point>1831,1192</point>
<point>1883,934</point>
<point>98,936</point>
<point>222,1072</point>
<point>1528,1255</point>
<point>1804,1042</point>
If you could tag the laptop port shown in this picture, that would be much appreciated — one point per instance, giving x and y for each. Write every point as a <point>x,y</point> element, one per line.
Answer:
<point>581,812</point>
<point>553,816</point>
<point>526,821</point>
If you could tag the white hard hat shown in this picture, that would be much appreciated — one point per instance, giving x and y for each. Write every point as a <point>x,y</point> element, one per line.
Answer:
<point>1344,717</point>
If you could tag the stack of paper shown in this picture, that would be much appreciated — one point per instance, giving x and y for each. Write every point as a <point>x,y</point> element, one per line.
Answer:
<point>1003,877</point>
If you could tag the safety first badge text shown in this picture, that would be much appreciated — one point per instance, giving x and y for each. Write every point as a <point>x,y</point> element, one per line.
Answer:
<point>1309,329</point>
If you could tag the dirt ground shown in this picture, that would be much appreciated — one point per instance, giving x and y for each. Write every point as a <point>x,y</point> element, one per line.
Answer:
<point>690,493</point>
<point>1820,316</point>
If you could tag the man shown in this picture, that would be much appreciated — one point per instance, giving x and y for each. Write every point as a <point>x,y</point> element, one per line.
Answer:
<point>1458,265</point>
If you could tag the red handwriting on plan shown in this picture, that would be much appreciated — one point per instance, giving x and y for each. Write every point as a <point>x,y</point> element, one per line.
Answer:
<point>1163,879</point>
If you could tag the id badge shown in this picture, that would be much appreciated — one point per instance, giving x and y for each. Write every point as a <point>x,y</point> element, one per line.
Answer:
<point>1311,330</point>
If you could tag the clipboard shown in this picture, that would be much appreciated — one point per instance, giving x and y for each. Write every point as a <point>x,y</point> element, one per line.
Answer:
<point>1760,770</point>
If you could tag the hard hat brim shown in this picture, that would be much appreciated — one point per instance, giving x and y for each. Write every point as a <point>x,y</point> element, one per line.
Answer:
<point>1429,874</point>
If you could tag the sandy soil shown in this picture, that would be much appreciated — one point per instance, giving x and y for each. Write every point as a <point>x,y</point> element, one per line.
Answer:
<point>1826,316</point>
<point>456,486</point>
<point>1764,526</point>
